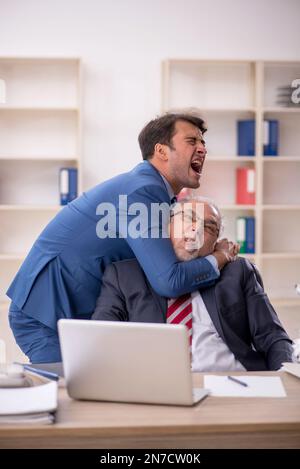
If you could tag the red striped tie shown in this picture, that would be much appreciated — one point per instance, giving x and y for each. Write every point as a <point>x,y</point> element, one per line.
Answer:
<point>180,312</point>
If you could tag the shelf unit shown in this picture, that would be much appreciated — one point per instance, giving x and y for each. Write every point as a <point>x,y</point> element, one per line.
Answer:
<point>40,132</point>
<point>226,91</point>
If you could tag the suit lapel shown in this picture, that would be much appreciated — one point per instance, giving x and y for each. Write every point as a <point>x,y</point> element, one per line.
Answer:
<point>210,301</point>
<point>242,353</point>
<point>160,301</point>
<point>248,358</point>
<point>234,343</point>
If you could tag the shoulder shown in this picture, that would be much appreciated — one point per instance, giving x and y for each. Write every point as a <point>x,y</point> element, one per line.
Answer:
<point>146,180</point>
<point>123,267</point>
<point>142,175</point>
<point>126,275</point>
<point>236,266</point>
<point>239,269</point>
<point>240,264</point>
<point>242,269</point>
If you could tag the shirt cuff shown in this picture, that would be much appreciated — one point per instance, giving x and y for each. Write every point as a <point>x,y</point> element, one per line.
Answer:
<point>213,262</point>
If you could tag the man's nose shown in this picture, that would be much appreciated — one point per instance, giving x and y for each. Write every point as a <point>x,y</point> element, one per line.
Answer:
<point>190,235</point>
<point>201,149</point>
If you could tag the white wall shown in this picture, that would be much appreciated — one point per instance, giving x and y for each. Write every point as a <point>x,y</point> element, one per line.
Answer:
<point>122,44</point>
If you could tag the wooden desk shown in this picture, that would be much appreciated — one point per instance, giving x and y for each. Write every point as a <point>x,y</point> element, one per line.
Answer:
<point>214,423</point>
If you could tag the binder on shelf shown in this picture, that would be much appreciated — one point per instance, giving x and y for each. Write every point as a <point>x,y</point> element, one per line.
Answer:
<point>245,186</point>
<point>67,185</point>
<point>246,137</point>
<point>245,234</point>
<point>270,137</point>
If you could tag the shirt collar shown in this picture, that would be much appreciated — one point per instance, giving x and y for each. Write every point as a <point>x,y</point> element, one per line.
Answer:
<point>167,184</point>
<point>168,187</point>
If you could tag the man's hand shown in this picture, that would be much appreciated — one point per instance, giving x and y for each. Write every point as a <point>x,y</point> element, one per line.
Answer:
<point>228,246</point>
<point>225,251</point>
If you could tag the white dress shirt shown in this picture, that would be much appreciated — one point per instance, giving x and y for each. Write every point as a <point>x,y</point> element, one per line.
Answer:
<point>209,351</point>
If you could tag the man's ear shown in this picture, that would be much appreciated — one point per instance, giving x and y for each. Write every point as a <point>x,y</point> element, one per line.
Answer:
<point>161,151</point>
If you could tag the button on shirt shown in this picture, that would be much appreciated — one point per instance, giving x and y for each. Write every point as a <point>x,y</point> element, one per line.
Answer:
<point>209,351</point>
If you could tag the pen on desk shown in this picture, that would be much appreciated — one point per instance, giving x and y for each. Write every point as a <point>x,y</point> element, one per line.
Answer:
<point>46,374</point>
<point>237,381</point>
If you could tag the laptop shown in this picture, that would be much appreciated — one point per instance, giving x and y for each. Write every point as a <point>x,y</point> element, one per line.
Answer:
<point>127,362</point>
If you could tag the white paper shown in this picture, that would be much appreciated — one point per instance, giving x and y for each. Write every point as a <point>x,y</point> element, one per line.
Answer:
<point>42,398</point>
<point>258,386</point>
<point>293,368</point>
<point>40,418</point>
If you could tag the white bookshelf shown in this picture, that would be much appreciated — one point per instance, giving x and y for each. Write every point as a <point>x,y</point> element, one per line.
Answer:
<point>225,92</point>
<point>40,132</point>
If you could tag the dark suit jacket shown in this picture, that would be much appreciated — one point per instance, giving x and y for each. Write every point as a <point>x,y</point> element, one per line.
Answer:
<point>238,306</point>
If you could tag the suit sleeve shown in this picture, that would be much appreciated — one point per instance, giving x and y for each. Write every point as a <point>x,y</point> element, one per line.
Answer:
<point>154,251</point>
<point>110,304</point>
<point>268,334</point>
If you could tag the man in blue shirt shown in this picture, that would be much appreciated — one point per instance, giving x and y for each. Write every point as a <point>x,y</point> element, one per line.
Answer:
<point>61,276</point>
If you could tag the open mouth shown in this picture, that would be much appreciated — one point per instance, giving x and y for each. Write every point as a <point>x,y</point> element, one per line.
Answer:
<point>196,166</point>
<point>191,246</point>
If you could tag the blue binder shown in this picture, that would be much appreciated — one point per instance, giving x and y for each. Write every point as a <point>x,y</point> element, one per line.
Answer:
<point>67,185</point>
<point>270,137</point>
<point>250,235</point>
<point>246,137</point>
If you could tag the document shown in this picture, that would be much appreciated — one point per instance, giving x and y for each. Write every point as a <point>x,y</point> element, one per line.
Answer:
<point>31,404</point>
<point>255,386</point>
<point>42,418</point>
<point>292,368</point>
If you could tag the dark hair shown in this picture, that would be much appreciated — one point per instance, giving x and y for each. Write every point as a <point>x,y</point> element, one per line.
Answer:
<point>162,129</point>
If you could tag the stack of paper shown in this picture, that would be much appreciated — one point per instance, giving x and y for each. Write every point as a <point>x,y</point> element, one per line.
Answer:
<point>293,368</point>
<point>35,404</point>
